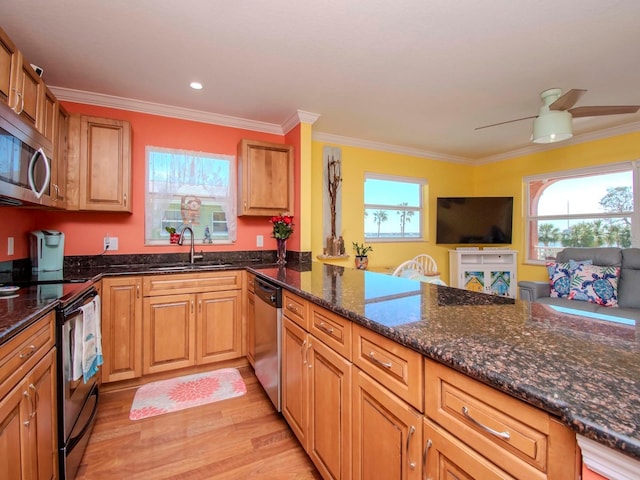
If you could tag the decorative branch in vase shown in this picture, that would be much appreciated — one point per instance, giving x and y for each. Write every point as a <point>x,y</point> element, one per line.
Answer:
<point>334,179</point>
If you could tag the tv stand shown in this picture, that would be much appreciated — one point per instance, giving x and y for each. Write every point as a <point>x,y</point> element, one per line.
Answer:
<point>490,271</point>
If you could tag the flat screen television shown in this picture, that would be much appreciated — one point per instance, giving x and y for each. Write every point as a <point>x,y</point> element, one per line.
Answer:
<point>486,220</point>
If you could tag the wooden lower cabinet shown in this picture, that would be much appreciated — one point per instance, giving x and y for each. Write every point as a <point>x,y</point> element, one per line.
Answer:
<point>329,442</point>
<point>218,326</point>
<point>295,396</point>
<point>121,328</point>
<point>191,329</point>
<point>387,433</point>
<point>169,328</point>
<point>251,321</point>
<point>28,433</point>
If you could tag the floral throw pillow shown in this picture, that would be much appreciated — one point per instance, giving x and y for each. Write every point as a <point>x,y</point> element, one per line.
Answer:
<point>560,276</point>
<point>559,279</point>
<point>595,284</point>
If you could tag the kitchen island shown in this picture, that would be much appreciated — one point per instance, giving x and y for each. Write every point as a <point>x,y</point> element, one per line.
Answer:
<point>584,371</point>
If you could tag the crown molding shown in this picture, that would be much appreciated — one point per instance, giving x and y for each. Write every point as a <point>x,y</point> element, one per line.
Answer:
<point>575,140</point>
<point>141,106</point>
<point>300,116</point>
<point>385,147</point>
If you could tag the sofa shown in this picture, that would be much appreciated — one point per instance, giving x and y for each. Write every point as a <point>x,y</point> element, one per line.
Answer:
<point>572,261</point>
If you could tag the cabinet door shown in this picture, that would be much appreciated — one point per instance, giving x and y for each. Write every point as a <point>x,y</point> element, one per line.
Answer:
<point>29,89</point>
<point>295,396</point>
<point>48,114</point>
<point>41,386</point>
<point>8,64</point>
<point>329,443</point>
<point>59,162</point>
<point>387,433</point>
<point>169,333</point>
<point>121,328</point>
<point>219,326</point>
<point>14,434</point>
<point>105,164</point>
<point>265,178</point>
<point>251,329</point>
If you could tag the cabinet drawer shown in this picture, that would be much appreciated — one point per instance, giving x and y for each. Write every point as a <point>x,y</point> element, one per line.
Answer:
<point>513,435</point>
<point>393,365</point>
<point>191,282</point>
<point>23,351</point>
<point>295,309</point>
<point>447,457</point>
<point>332,329</point>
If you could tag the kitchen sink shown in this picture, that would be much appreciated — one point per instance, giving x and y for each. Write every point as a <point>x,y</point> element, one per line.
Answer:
<point>188,266</point>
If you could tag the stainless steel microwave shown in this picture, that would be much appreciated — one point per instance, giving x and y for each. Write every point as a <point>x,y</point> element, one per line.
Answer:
<point>25,166</point>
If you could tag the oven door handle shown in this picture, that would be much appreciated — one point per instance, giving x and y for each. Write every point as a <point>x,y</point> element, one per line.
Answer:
<point>74,441</point>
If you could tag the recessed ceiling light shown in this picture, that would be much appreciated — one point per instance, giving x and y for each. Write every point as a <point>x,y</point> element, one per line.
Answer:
<point>196,85</point>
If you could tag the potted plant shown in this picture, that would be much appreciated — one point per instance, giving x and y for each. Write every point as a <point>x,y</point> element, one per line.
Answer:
<point>173,235</point>
<point>362,260</point>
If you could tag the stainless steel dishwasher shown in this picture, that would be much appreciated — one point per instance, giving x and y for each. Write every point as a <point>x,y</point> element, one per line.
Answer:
<point>268,353</point>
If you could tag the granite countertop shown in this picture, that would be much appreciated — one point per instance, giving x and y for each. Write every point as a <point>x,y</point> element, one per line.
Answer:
<point>583,370</point>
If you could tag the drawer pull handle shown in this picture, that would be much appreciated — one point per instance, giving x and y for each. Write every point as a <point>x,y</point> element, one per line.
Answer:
<point>412,430</point>
<point>293,308</point>
<point>325,328</point>
<point>380,362</point>
<point>27,354</point>
<point>503,435</point>
<point>425,455</point>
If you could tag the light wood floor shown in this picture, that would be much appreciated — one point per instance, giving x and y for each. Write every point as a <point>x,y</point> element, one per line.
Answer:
<point>239,438</point>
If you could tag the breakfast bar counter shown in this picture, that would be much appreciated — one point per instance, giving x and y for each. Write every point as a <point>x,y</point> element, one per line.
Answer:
<point>583,370</point>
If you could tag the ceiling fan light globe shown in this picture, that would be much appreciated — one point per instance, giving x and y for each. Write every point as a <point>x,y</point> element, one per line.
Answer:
<point>553,126</point>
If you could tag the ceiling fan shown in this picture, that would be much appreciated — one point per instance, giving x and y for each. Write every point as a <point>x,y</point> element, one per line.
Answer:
<point>553,122</point>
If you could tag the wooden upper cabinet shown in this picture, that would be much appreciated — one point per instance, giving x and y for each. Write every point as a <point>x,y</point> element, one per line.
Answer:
<point>48,115</point>
<point>29,91</point>
<point>99,164</point>
<point>60,155</point>
<point>20,86</point>
<point>265,178</point>
<point>9,56</point>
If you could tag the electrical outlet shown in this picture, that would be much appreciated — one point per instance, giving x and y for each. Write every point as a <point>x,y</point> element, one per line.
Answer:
<point>9,245</point>
<point>110,243</point>
<point>259,241</point>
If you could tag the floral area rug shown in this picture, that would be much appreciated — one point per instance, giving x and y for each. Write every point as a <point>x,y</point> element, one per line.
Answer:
<point>185,392</point>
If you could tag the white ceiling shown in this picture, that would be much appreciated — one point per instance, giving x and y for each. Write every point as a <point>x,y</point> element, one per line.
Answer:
<point>418,74</point>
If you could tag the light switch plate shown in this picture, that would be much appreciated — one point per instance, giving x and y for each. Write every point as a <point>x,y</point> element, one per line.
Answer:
<point>10,246</point>
<point>259,241</point>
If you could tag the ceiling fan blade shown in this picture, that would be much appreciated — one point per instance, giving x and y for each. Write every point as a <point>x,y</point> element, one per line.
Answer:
<point>604,110</point>
<point>567,100</point>
<point>508,121</point>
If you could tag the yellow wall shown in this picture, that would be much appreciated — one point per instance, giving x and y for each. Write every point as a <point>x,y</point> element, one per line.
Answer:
<point>444,178</point>
<point>503,178</point>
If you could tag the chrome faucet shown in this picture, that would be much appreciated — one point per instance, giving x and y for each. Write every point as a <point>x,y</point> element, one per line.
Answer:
<point>192,251</point>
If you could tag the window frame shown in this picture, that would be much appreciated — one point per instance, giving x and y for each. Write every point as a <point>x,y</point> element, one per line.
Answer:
<point>227,203</point>
<point>632,166</point>
<point>422,183</point>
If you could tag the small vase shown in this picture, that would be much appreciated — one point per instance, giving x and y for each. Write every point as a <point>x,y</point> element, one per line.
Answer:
<point>362,262</point>
<point>174,237</point>
<point>281,253</point>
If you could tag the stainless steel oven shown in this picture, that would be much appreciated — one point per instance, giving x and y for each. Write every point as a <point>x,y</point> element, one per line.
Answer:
<point>77,400</point>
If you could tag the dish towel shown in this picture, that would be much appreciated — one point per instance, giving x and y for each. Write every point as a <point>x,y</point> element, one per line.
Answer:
<point>87,352</point>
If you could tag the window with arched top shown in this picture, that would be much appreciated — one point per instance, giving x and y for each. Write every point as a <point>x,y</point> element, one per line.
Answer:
<point>593,207</point>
